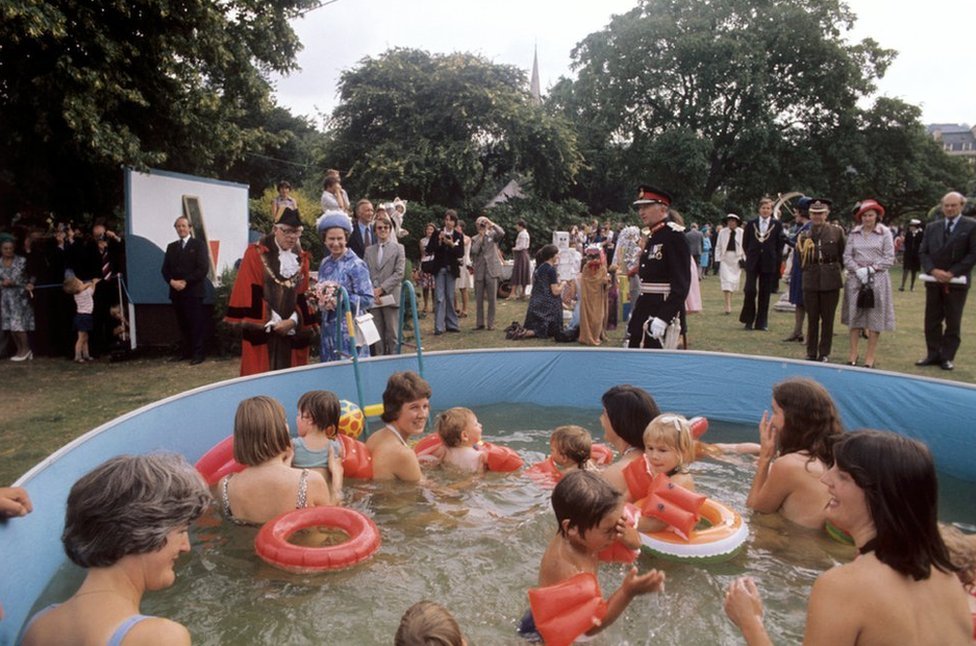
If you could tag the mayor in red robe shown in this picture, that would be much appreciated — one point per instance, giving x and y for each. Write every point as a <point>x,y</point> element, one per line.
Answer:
<point>268,301</point>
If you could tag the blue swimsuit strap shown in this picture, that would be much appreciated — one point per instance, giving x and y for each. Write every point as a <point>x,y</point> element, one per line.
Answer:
<point>124,628</point>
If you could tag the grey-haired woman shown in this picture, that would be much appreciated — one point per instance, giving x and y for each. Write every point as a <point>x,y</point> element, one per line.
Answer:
<point>127,523</point>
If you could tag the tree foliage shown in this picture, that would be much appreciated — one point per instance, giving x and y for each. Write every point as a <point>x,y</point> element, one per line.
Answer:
<point>448,129</point>
<point>89,85</point>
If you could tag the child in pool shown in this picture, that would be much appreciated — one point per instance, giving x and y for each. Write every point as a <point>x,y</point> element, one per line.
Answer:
<point>317,446</point>
<point>570,447</point>
<point>590,516</point>
<point>795,451</point>
<point>268,486</point>
<point>406,407</point>
<point>425,623</point>
<point>460,431</point>
<point>962,553</point>
<point>627,410</point>
<point>668,449</point>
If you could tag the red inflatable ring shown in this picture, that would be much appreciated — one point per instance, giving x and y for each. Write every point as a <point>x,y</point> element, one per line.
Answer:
<point>219,461</point>
<point>273,547</point>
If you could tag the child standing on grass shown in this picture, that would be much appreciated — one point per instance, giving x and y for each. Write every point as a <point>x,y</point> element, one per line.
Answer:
<point>317,446</point>
<point>84,322</point>
<point>460,431</point>
<point>590,514</point>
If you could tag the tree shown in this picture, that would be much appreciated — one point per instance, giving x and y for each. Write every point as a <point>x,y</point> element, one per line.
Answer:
<point>729,84</point>
<point>86,87</point>
<point>447,129</point>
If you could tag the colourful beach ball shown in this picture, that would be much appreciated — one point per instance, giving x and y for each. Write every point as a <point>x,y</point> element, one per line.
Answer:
<point>351,420</point>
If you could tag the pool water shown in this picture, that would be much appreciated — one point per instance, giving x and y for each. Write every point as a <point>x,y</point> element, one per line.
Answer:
<point>474,545</point>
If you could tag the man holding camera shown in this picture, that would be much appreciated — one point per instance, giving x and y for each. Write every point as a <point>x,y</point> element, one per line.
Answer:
<point>447,247</point>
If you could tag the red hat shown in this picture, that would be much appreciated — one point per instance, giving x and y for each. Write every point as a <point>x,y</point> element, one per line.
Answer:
<point>650,195</point>
<point>864,206</point>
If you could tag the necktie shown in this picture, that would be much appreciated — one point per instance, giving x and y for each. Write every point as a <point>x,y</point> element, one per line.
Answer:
<point>366,237</point>
<point>106,266</point>
<point>379,255</point>
<point>763,225</point>
<point>948,228</point>
<point>184,242</point>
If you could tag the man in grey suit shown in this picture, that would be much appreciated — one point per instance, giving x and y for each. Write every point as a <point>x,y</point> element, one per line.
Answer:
<point>487,268</point>
<point>948,252</point>
<point>386,263</point>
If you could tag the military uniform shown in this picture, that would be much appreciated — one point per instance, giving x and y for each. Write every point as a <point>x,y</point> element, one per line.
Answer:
<point>665,278</point>
<point>821,249</point>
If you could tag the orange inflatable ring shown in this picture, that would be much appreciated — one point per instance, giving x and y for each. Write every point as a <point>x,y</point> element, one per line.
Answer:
<point>498,458</point>
<point>565,611</point>
<point>356,459</point>
<point>429,448</point>
<point>698,426</point>
<point>219,461</point>
<point>719,542</point>
<point>601,454</point>
<point>273,547</point>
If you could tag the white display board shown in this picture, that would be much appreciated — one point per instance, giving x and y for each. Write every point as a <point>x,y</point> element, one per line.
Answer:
<point>218,213</point>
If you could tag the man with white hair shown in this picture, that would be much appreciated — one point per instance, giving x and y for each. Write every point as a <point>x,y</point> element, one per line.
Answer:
<point>948,253</point>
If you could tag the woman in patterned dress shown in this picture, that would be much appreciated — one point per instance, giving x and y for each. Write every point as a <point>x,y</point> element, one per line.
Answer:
<point>870,251</point>
<point>544,317</point>
<point>345,268</point>
<point>16,289</point>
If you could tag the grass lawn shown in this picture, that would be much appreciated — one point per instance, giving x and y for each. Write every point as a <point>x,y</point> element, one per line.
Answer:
<point>49,402</point>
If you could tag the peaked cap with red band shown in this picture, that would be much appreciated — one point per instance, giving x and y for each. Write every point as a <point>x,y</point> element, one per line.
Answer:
<point>650,195</point>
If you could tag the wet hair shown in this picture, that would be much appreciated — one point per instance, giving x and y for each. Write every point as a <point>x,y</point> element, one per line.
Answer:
<point>630,409</point>
<point>322,406</point>
<point>811,421</point>
<point>451,423</point>
<point>899,482</point>
<point>574,442</point>
<point>546,253</point>
<point>73,285</point>
<point>584,499</point>
<point>673,430</point>
<point>962,553</point>
<point>128,504</point>
<point>426,623</point>
<point>260,430</point>
<point>401,388</point>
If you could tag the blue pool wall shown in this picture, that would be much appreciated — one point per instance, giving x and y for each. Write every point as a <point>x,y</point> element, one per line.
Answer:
<point>720,386</point>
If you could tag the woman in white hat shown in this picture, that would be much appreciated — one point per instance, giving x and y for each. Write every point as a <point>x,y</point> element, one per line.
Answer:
<point>729,253</point>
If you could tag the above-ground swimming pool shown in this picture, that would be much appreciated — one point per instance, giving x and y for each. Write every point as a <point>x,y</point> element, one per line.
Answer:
<point>477,548</point>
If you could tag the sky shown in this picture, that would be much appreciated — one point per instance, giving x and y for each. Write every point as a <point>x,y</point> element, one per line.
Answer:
<point>934,68</point>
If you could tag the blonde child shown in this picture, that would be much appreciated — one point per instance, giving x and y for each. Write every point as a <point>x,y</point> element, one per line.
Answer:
<point>317,446</point>
<point>268,486</point>
<point>426,623</point>
<point>84,322</point>
<point>460,431</point>
<point>590,514</point>
<point>668,449</point>
<point>406,407</point>
<point>569,447</point>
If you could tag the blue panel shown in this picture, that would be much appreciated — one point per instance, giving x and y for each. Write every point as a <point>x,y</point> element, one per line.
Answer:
<point>727,387</point>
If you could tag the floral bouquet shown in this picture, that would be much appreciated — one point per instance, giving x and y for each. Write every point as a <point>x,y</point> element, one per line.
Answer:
<point>325,294</point>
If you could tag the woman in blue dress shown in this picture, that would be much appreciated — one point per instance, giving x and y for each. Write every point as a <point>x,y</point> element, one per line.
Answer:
<point>544,317</point>
<point>344,268</point>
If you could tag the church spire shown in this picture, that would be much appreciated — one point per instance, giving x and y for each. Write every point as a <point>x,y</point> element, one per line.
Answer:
<point>534,88</point>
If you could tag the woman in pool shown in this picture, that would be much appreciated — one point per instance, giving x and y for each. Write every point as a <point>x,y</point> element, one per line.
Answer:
<point>795,451</point>
<point>902,589</point>
<point>126,524</point>
<point>627,410</point>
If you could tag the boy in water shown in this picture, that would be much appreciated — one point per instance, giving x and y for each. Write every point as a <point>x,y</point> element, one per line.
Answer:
<point>317,446</point>
<point>460,431</point>
<point>590,516</point>
<point>406,407</point>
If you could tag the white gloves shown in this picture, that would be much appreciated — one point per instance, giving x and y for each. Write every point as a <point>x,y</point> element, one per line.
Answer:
<point>658,327</point>
<point>863,274</point>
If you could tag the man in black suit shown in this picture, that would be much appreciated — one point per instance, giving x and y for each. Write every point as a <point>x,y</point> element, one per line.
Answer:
<point>762,240</point>
<point>362,234</point>
<point>948,252</point>
<point>185,269</point>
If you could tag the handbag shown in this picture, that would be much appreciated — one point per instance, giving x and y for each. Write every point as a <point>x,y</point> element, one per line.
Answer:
<point>865,297</point>
<point>366,332</point>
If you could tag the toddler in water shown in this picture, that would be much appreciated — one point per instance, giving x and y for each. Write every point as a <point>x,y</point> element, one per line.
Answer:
<point>570,447</point>
<point>317,446</point>
<point>962,553</point>
<point>426,623</point>
<point>460,431</point>
<point>84,305</point>
<point>268,486</point>
<point>590,516</point>
<point>668,448</point>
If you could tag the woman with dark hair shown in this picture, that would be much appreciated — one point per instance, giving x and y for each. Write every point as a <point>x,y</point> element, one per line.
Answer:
<point>126,523</point>
<point>794,453</point>
<point>627,410</point>
<point>520,267</point>
<point>544,316</point>
<point>902,589</point>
